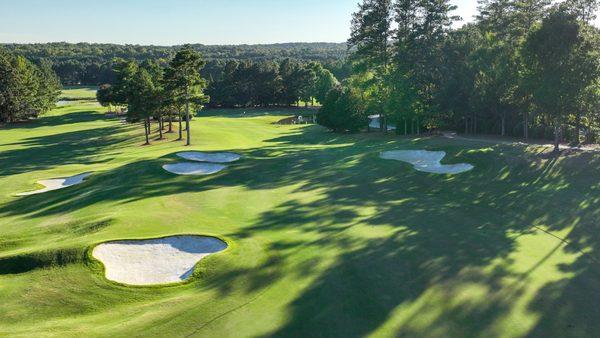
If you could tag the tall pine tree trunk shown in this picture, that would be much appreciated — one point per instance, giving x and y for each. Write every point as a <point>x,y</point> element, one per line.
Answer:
<point>147,129</point>
<point>577,128</point>
<point>180,127</point>
<point>170,122</point>
<point>187,115</point>
<point>525,126</point>
<point>160,127</point>
<point>556,139</point>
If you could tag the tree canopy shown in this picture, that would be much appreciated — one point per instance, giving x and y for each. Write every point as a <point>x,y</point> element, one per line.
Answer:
<point>26,89</point>
<point>523,68</point>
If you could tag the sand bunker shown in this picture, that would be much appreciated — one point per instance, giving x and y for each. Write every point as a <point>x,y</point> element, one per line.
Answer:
<point>426,161</point>
<point>155,261</point>
<point>57,183</point>
<point>197,169</point>
<point>210,157</point>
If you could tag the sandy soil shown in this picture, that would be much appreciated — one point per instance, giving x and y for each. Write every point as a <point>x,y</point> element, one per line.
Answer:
<point>155,261</point>
<point>426,161</point>
<point>196,169</point>
<point>209,157</point>
<point>57,183</point>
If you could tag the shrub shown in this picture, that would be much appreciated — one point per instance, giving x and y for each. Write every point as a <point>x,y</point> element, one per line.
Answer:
<point>343,111</point>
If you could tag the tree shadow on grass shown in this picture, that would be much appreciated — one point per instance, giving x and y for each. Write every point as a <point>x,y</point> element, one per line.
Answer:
<point>442,230</point>
<point>77,147</point>
<point>449,229</point>
<point>56,120</point>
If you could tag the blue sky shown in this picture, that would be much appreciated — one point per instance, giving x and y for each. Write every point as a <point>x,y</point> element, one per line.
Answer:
<point>169,22</point>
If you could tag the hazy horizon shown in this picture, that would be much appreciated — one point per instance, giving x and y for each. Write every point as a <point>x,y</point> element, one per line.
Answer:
<point>190,43</point>
<point>178,22</point>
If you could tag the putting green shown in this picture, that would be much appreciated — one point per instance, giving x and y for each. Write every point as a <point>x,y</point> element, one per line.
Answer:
<point>327,239</point>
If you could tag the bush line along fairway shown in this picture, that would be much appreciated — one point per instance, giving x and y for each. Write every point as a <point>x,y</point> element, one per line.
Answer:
<point>325,237</point>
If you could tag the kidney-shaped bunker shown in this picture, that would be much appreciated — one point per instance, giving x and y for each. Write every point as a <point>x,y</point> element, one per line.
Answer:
<point>155,261</point>
<point>426,161</point>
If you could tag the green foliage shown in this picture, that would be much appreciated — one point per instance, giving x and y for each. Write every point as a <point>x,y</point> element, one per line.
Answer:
<point>324,82</point>
<point>104,95</point>
<point>343,111</point>
<point>247,84</point>
<point>370,37</point>
<point>93,64</point>
<point>370,34</point>
<point>478,78</point>
<point>182,78</point>
<point>561,65</point>
<point>142,103</point>
<point>26,90</point>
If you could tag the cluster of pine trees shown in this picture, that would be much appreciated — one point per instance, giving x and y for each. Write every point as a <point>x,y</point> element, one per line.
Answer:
<point>151,91</point>
<point>525,68</point>
<point>26,89</point>
<point>249,84</point>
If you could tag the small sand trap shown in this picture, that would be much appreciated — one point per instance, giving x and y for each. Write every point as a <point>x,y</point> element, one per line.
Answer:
<point>210,157</point>
<point>155,261</point>
<point>197,169</point>
<point>57,183</point>
<point>426,161</point>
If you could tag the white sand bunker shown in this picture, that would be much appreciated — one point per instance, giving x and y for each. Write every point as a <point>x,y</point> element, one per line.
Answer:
<point>57,183</point>
<point>155,261</point>
<point>426,161</point>
<point>189,168</point>
<point>210,157</point>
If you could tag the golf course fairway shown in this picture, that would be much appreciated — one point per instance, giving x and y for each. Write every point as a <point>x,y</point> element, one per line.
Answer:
<point>325,238</point>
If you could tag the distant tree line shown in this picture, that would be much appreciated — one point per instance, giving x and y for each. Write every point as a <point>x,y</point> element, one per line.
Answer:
<point>27,89</point>
<point>269,83</point>
<point>525,68</point>
<point>93,64</point>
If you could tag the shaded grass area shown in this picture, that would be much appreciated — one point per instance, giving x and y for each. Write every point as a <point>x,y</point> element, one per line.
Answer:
<point>327,239</point>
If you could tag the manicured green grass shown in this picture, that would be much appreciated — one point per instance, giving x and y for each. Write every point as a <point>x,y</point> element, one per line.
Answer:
<point>74,93</point>
<point>328,239</point>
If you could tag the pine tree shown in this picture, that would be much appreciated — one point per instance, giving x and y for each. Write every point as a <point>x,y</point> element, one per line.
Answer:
<point>184,82</point>
<point>370,38</point>
<point>422,29</point>
<point>561,65</point>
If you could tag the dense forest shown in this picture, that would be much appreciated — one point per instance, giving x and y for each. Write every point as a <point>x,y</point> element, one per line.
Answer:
<point>27,89</point>
<point>92,64</point>
<point>526,68</point>
<point>269,83</point>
